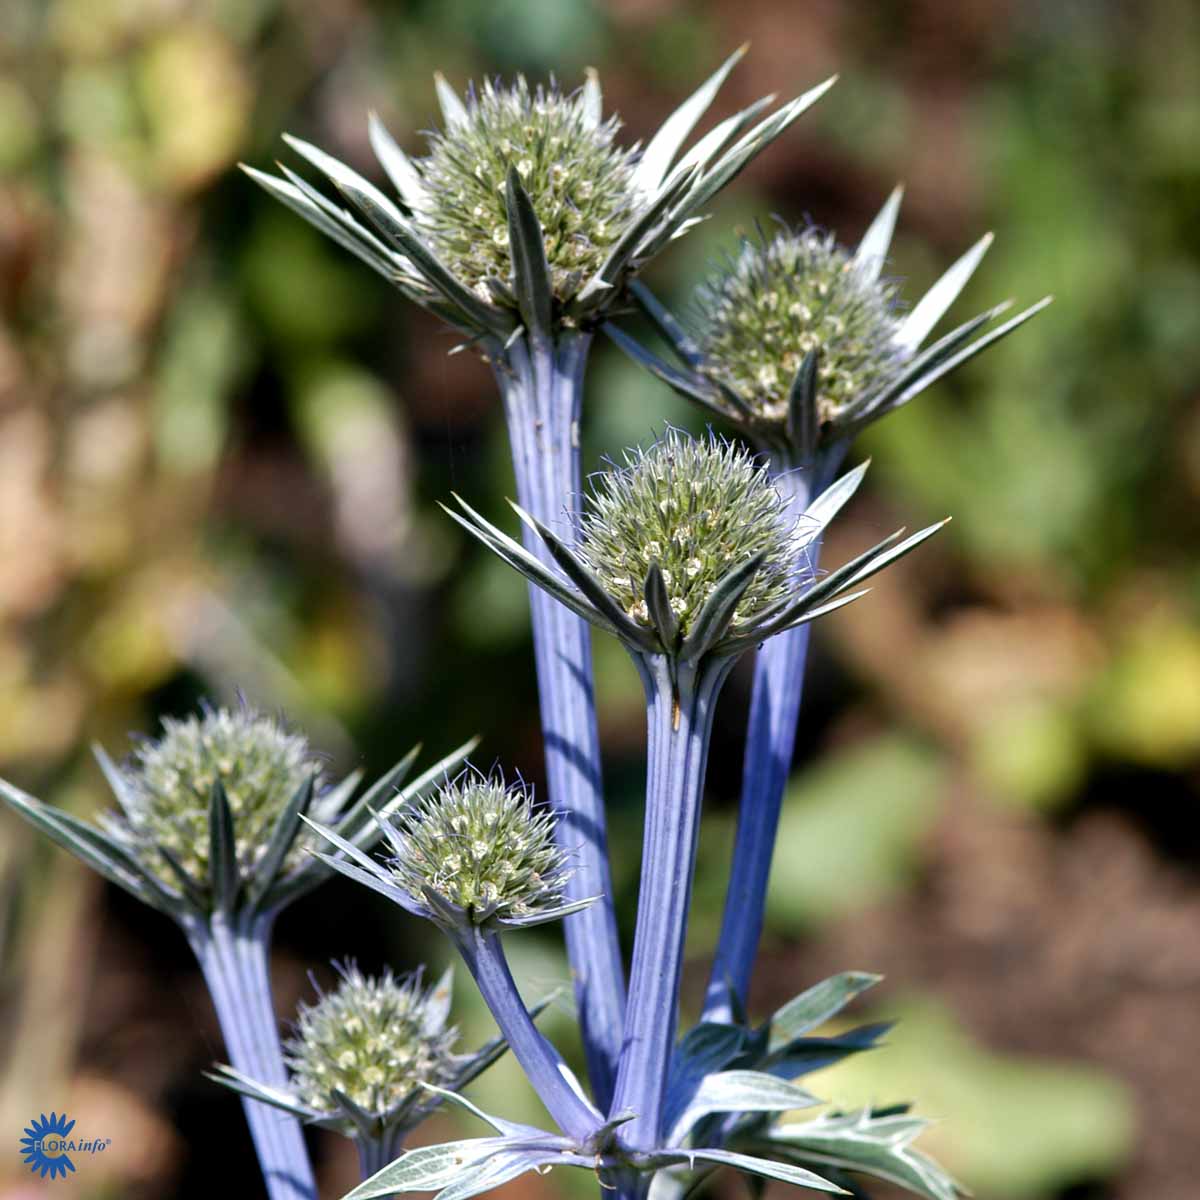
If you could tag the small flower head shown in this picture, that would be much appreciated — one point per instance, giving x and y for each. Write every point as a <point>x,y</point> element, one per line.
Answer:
<point>374,1040</point>
<point>481,849</point>
<point>168,783</point>
<point>581,184</point>
<point>780,298</point>
<point>698,508</point>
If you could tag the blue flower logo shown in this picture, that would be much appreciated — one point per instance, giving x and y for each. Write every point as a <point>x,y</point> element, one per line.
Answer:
<point>45,1145</point>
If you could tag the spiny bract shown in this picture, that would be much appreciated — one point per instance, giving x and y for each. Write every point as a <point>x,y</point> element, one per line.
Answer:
<point>372,1039</point>
<point>482,847</point>
<point>169,781</point>
<point>698,507</point>
<point>779,298</point>
<point>580,183</point>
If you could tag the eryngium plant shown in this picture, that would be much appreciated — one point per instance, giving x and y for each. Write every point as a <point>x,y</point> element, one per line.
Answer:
<point>478,858</point>
<point>209,830</point>
<point>800,343</point>
<point>371,1060</point>
<point>687,553</point>
<point>522,227</point>
<point>526,212</point>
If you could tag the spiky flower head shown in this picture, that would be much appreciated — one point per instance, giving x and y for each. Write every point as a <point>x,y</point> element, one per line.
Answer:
<point>480,848</point>
<point>781,297</point>
<point>526,213</point>
<point>168,783</point>
<point>801,343</point>
<point>696,508</point>
<point>374,1040</point>
<point>580,183</point>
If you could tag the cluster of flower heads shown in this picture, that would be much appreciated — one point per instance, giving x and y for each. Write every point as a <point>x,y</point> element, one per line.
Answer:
<point>777,299</point>
<point>696,507</point>
<point>373,1040</point>
<point>579,181</point>
<point>168,781</point>
<point>481,847</point>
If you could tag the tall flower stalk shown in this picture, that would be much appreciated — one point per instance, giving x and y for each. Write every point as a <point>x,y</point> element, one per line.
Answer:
<point>523,227</point>
<point>209,830</point>
<point>688,555</point>
<point>800,344</point>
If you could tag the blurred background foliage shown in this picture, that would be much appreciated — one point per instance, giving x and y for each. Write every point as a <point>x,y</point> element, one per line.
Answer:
<point>221,441</point>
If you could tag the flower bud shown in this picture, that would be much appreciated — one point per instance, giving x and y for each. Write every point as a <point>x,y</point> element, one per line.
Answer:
<point>778,299</point>
<point>480,848</point>
<point>698,508</point>
<point>579,180</point>
<point>371,1039</point>
<point>167,784</point>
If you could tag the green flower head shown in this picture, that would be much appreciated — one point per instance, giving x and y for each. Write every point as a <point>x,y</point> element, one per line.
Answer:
<point>697,508</point>
<point>580,183</point>
<point>168,783</point>
<point>526,213</point>
<point>782,297</point>
<point>374,1040</point>
<point>481,849</point>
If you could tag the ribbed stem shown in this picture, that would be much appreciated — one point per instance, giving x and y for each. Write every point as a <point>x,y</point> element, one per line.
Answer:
<point>540,1061</point>
<point>234,959</point>
<point>679,713</point>
<point>375,1153</point>
<point>770,742</point>
<point>542,386</point>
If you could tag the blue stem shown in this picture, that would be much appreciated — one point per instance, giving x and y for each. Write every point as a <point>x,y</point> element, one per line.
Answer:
<point>541,1062</point>
<point>375,1153</point>
<point>770,743</point>
<point>234,959</point>
<point>542,386</point>
<point>679,711</point>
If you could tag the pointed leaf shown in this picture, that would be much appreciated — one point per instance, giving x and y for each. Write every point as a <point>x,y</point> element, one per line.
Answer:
<point>283,838</point>
<point>223,871</point>
<point>546,915</point>
<point>593,100</point>
<point>454,112</point>
<point>875,1145</point>
<point>930,308</point>
<point>816,1005</point>
<point>802,422</point>
<point>889,556</point>
<point>376,883</point>
<point>714,617</point>
<point>690,386</point>
<point>946,365</point>
<point>91,846</point>
<point>785,1172</point>
<point>585,581</point>
<point>396,164</point>
<point>658,604</point>
<point>831,501</point>
<point>666,324</point>
<point>739,1091</point>
<point>803,1055</point>
<point>531,271</point>
<point>226,1076</point>
<point>429,1167</point>
<point>872,251</point>
<point>665,144</point>
<point>436,1010</point>
<point>720,136</point>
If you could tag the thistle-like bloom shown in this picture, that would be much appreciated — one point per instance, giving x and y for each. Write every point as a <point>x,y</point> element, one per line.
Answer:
<point>371,1060</point>
<point>687,552</point>
<point>476,853</point>
<point>801,343</point>
<point>373,1041</point>
<point>527,212</point>
<point>479,859</point>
